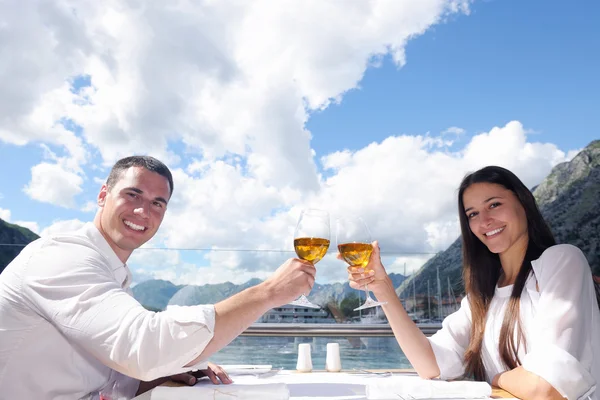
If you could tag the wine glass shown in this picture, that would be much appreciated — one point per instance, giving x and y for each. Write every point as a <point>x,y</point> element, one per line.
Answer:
<point>354,244</point>
<point>311,241</point>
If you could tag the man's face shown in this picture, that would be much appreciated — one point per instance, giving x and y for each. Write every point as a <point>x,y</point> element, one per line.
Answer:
<point>132,210</point>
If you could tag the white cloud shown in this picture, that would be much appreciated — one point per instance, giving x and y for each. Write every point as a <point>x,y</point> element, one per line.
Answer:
<point>148,260</point>
<point>221,208</point>
<point>337,160</point>
<point>90,207</point>
<point>51,183</point>
<point>406,264</point>
<point>530,160</point>
<point>5,214</point>
<point>32,226</point>
<point>454,130</point>
<point>235,83</point>
<point>62,226</point>
<point>572,153</point>
<point>215,76</point>
<point>405,187</point>
<point>46,46</point>
<point>441,234</point>
<point>210,267</point>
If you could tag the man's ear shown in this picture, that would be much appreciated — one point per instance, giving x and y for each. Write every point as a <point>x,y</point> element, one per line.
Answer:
<point>102,195</point>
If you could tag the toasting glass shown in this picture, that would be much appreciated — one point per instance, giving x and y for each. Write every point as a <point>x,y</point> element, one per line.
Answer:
<point>354,244</point>
<point>311,241</point>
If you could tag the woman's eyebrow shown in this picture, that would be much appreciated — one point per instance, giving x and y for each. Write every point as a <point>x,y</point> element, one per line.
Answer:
<point>492,198</point>
<point>486,201</point>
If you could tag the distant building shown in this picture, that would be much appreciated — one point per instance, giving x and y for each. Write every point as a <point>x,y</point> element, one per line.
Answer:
<point>294,314</point>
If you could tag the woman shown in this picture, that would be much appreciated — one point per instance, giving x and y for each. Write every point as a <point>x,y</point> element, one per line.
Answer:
<point>529,324</point>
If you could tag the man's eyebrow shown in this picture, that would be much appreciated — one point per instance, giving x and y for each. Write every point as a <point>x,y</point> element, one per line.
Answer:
<point>161,199</point>
<point>487,201</point>
<point>134,189</point>
<point>139,191</point>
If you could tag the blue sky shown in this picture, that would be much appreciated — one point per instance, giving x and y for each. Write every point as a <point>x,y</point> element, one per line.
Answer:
<point>232,116</point>
<point>532,61</point>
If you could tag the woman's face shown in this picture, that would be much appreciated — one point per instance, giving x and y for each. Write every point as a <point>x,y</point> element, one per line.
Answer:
<point>496,217</point>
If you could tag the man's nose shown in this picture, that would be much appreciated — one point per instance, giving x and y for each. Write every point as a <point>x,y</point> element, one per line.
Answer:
<point>143,210</point>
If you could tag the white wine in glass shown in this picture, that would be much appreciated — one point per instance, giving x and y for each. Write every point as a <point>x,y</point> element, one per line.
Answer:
<point>311,241</point>
<point>354,244</point>
<point>311,249</point>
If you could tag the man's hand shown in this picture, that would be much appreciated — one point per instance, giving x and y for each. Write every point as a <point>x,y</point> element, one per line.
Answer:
<point>292,278</point>
<point>214,372</point>
<point>189,378</point>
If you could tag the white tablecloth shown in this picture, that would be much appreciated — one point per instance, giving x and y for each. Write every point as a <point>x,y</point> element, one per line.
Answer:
<point>305,386</point>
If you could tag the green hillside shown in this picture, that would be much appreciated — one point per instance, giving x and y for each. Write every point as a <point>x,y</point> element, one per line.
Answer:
<point>13,238</point>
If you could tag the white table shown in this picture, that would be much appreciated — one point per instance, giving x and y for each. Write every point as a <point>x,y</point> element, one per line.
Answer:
<point>309,386</point>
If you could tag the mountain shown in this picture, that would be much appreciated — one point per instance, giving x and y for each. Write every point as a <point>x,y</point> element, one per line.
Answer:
<point>157,294</point>
<point>568,199</point>
<point>206,294</point>
<point>336,292</point>
<point>11,234</point>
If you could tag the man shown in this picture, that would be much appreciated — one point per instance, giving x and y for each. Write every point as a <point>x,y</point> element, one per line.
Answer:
<point>69,327</point>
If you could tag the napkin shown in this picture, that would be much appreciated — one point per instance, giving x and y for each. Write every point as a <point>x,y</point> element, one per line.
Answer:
<point>412,387</point>
<point>246,369</point>
<point>269,391</point>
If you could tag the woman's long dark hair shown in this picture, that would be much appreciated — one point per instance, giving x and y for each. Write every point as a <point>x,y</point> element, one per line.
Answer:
<point>482,268</point>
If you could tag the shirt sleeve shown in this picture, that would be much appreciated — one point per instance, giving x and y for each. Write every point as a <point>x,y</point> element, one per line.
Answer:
<point>450,342</point>
<point>120,386</point>
<point>560,343</point>
<point>71,286</point>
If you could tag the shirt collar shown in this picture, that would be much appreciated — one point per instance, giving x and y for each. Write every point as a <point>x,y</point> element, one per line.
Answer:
<point>116,265</point>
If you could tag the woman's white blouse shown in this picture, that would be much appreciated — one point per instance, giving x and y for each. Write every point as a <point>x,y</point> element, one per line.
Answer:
<point>561,324</point>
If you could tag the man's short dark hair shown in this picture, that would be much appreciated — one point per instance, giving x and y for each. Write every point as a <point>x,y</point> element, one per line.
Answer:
<point>148,162</point>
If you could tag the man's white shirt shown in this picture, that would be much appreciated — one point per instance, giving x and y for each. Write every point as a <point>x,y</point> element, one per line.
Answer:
<point>70,327</point>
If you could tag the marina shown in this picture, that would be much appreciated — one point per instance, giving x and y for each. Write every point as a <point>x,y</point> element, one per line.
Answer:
<point>361,345</point>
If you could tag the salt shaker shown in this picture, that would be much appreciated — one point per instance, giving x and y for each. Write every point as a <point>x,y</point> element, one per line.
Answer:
<point>333,363</point>
<point>304,359</point>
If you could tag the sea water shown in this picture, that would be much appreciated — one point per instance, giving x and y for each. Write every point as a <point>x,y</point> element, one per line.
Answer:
<point>282,352</point>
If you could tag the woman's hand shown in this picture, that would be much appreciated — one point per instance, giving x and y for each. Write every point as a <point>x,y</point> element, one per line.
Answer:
<point>373,274</point>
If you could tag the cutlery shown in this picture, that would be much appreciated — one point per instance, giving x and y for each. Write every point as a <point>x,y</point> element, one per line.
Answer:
<point>268,374</point>
<point>364,371</point>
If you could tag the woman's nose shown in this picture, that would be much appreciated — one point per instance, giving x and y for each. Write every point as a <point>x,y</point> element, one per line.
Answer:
<point>485,218</point>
